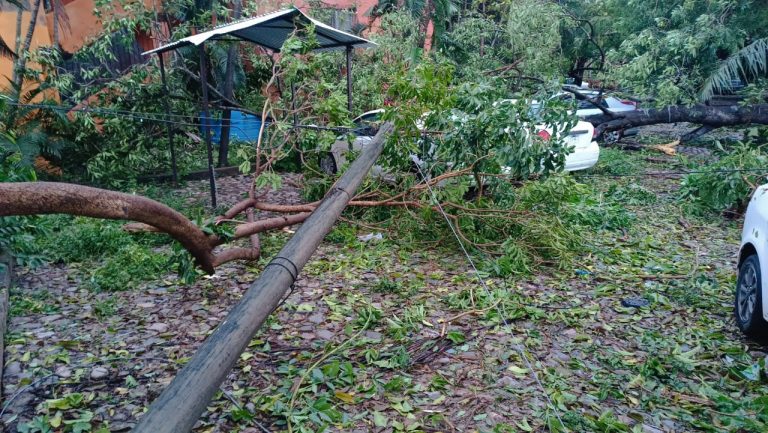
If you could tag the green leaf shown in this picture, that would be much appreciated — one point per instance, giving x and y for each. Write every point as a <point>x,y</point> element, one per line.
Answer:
<point>524,426</point>
<point>379,420</point>
<point>518,371</point>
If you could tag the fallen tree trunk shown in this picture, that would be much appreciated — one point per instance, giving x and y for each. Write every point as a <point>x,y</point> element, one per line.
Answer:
<point>36,198</point>
<point>710,116</point>
<point>180,405</point>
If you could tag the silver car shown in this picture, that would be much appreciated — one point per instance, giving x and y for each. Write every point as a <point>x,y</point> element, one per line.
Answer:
<point>586,109</point>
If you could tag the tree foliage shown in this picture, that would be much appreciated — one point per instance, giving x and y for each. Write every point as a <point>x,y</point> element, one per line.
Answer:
<point>726,185</point>
<point>683,51</point>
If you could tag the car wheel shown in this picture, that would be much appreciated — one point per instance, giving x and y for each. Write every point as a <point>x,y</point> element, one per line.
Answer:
<point>749,297</point>
<point>327,163</point>
<point>612,137</point>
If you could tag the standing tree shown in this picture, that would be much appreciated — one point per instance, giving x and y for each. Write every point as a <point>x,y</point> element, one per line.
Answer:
<point>23,52</point>
<point>60,22</point>
<point>438,12</point>
<point>681,52</point>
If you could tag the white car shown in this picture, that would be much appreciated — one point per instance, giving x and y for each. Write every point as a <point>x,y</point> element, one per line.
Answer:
<point>750,306</point>
<point>585,151</point>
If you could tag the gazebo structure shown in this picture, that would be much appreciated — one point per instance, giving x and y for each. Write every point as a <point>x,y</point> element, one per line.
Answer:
<point>269,31</point>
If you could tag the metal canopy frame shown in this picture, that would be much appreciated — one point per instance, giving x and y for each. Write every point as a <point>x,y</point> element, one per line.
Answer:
<point>269,31</point>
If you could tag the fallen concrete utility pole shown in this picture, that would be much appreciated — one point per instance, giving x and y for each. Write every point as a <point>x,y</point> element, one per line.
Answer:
<point>178,408</point>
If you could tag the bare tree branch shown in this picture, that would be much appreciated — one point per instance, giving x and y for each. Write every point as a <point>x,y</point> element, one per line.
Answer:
<point>232,254</point>
<point>247,229</point>
<point>594,101</point>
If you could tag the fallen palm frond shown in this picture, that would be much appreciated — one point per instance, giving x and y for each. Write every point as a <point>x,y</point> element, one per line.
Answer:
<point>6,51</point>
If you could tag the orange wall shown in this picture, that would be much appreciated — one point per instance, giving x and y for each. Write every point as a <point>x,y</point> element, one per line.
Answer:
<point>84,24</point>
<point>8,33</point>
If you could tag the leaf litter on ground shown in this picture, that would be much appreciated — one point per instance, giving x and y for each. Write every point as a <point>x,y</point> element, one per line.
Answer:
<point>390,336</point>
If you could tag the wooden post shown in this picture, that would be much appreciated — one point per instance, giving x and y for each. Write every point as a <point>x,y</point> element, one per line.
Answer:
<point>167,105</point>
<point>207,124</point>
<point>349,80</point>
<point>178,408</point>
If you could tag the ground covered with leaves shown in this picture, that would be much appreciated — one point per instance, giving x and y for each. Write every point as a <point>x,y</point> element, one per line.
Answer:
<point>396,334</point>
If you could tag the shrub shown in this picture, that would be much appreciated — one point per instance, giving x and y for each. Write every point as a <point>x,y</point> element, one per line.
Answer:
<point>727,184</point>
<point>116,259</point>
<point>128,268</point>
<point>16,238</point>
<point>16,233</point>
<point>79,239</point>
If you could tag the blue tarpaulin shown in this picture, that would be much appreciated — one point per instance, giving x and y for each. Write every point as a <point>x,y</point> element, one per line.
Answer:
<point>243,127</point>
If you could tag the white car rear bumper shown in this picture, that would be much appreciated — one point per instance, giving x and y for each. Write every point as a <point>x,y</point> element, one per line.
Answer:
<point>582,158</point>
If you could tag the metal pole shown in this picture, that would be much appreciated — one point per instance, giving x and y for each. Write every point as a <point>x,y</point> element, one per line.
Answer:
<point>174,169</point>
<point>293,106</point>
<point>178,408</point>
<point>349,79</point>
<point>207,124</point>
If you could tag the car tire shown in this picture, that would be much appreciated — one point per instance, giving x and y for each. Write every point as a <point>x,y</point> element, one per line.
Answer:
<point>748,305</point>
<point>612,137</point>
<point>327,163</point>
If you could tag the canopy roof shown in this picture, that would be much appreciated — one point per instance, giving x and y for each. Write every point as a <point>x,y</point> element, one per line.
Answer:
<point>270,31</point>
